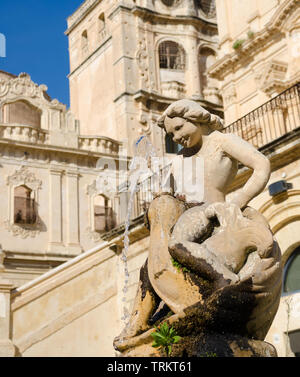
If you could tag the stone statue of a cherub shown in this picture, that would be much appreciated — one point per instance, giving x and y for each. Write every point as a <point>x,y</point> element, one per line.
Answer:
<point>225,296</point>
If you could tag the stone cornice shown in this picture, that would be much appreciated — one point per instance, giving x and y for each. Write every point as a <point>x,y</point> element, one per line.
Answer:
<point>56,149</point>
<point>143,96</point>
<point>150,15</point>
<point>260,41</point>
<point>81,12</point>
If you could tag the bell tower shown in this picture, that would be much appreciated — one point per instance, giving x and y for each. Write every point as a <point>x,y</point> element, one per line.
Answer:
<point>130,59</point>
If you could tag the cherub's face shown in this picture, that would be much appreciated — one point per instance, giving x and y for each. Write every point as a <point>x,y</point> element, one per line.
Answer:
<point>183,132</point>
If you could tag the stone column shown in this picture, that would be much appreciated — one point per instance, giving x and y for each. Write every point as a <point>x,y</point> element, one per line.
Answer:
<point>55,211</point>
<point>192,70</point>
<point>7,348</point>
<point>72,213</point>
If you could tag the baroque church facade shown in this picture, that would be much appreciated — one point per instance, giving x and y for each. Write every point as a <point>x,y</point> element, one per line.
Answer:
<point>63,171</point>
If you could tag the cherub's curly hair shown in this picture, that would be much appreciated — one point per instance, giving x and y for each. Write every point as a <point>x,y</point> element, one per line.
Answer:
<point>192,111</point>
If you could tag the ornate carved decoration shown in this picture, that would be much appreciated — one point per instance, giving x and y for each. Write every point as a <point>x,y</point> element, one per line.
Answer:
<point>92,235</point>
<point>272,78</point>
<point>145,124</point>
<point>258,42</point>
<point>21,86</point>
<point>142,60</point>
<point>23,231</point>
<point>103,185</point>
<point>24,177</point>
<point>229,96</point>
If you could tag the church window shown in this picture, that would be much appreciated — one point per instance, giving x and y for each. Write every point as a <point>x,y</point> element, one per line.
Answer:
<point>207,58</point>
<point>208,7</point>
<point>84,42</point>
<point>295,342</point>
<point>171,146</point>
<point>104,219</point>
<point>24,206</point>
<point>21,112</point>
<point>292,273</point>
<point>101,23</point>
<point>171,56</point>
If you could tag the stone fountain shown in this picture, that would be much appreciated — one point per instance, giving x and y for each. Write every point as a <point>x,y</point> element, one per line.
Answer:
<point>214,272</point>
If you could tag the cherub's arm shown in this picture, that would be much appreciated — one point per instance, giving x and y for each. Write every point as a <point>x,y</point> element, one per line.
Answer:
<point>245,153</point>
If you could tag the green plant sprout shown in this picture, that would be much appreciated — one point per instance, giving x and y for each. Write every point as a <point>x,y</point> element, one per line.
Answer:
<point>238,44</point>
<point>179,266</point>
<point>164,337</point>
<point>250,34</point>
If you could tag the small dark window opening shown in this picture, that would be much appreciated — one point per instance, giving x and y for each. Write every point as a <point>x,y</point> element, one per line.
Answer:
<point>171,146</point>
<point>103,215</point>
<point>24,206</point>
<point>208,7</point>
<point>292,273</point>
<point>171,56</point>
<point>295,342</point>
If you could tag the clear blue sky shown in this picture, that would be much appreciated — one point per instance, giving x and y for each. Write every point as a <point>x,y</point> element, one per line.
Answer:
<point>35,41</point>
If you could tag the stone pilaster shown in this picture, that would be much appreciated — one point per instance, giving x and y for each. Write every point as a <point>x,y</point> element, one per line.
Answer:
<point>73,244</point>
<point>55,212</point>
<point>7,348</point>
<point>193,82</point>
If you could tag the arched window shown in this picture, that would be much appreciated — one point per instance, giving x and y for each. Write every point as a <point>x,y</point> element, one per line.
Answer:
<point>171,56</point>
<point>295,342</point>
<point>84,42</point>
<point>171,146</point>
<point>102,30</point>
<point>291,281</point>
<point>103,214</point>
<point>169,3</point>
<point>24,206</point>
<point>207,58</point>
<point>21,112</point>
<point>101,22</point>
<point>208,7</point>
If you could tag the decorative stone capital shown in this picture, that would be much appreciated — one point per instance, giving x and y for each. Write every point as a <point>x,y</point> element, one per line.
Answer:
<point>5,286</point>
<point>23,176</point>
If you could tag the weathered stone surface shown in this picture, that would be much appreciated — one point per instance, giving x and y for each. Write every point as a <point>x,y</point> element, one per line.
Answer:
<point>214,264</point>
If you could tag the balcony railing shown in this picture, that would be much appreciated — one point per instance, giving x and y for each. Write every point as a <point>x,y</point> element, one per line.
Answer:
<point>270,121</point>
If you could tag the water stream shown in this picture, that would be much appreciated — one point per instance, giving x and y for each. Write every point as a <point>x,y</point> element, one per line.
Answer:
<point>143,152</point>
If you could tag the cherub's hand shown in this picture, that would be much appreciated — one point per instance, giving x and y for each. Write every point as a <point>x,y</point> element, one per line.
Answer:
<point>226,213</point>
<point>239,198</point>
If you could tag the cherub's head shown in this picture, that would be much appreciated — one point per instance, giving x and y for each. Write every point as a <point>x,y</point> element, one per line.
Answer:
<point>186,121</point>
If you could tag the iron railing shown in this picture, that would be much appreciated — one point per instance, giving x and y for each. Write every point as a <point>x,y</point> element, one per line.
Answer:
<point>270,121</point>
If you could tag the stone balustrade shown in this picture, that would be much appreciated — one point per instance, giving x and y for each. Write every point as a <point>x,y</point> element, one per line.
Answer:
<point>99,144</point>
<point>24,133</point>
<point>173,89</point>
<point>29,134</point>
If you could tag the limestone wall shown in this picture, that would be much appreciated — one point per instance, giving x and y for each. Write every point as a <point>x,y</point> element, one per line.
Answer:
<point>259,52</point>
<point>75,309</point>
